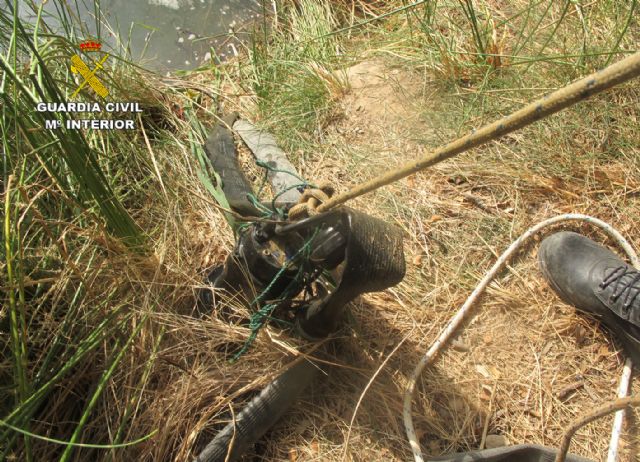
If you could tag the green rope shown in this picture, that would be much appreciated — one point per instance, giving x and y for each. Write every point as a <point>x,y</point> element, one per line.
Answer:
<point>266,212</point>
<point>262,315</point>
<point>269,168</point>
<point>295,186</point>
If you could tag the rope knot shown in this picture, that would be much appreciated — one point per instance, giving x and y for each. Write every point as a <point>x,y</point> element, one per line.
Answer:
<point>310,200</point>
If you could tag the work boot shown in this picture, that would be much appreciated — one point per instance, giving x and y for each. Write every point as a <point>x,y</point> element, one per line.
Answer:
<point>596,281</point>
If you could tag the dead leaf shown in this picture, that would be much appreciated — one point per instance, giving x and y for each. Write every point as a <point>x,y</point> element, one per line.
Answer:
<point>459,345</point>
<point>603,351</point>
<point>482,370</point>
<point>569,389</point>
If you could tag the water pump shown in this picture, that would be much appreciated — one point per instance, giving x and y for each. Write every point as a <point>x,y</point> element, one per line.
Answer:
<point>314,266</point>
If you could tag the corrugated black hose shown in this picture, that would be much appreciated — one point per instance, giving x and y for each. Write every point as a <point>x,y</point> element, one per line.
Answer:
<point>260,414</point>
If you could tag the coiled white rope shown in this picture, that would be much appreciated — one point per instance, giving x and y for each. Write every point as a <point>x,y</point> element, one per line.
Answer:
<point>455,322</point>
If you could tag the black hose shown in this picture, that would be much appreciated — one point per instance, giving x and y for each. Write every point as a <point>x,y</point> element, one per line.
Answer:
<point>260,414</point>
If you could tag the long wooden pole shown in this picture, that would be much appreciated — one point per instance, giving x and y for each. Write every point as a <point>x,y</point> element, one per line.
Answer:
<point>608,77</point>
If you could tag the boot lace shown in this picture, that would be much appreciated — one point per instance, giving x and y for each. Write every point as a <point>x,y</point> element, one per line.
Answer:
<point>626,281</point>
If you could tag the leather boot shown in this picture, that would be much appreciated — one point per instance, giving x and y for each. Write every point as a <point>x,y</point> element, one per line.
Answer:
<point>596,281</point>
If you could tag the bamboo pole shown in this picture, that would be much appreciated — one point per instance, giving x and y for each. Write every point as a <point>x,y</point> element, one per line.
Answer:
<point>626,69</point>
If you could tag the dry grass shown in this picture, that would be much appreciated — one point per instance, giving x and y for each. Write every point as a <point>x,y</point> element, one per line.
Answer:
<point>524,366</point>
<point>522,352</point>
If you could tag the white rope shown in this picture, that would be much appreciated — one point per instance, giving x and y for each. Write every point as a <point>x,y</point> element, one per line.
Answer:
<point>623,391</point>
<point>455,322</point>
